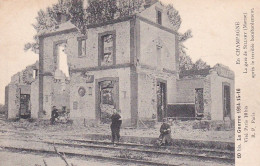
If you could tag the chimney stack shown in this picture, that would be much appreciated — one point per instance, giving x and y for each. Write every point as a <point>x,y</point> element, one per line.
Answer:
<point>61,18</point>
<point>149,3</point>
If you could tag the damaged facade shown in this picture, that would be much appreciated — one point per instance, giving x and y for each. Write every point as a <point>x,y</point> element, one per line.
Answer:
<point>206,94</point>
<point>20,92</point>
<point>129,63</point>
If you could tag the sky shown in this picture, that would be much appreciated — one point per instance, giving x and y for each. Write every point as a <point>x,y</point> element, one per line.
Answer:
<point>211,22</point>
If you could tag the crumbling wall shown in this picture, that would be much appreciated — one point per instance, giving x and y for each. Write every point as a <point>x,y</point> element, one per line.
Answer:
<point>21,83</point>
<point>13,101</point>
<point>48,82</point>
<point>147,99</point>
<point>35,99</point>
<point>56,93</point>
<point>147,92</point>
<point>81,106</point>
<point>61,94</point>
<point>157,60</point>
<point>85,106</point>
<point>158,48</point>
<point>151,14</point>
<point>186,89</point>
<point>122,35</point>
<point>207,97</point>
<point>217,96</point>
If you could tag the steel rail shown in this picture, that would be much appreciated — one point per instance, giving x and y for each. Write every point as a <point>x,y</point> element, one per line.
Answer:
<point>115,159</point>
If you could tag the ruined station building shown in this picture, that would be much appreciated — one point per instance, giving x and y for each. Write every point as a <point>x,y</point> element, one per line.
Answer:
<point>130,64</point>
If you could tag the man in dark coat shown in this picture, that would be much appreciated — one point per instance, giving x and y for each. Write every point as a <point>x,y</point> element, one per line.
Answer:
<point>54,114</point>
<point>115,125</point>
<point>165,136</point>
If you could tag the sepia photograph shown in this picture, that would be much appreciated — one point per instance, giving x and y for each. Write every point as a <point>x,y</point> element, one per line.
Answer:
<point>129,82</point>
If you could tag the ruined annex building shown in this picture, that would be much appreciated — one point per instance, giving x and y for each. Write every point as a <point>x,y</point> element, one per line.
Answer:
<point>130,64</point>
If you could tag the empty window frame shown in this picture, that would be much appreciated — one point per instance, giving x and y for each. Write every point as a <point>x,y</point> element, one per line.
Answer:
<point>107,49</point>
<point>199,101</point>
<point>226,100</point>
<point>60,57</point>
<point>82,46</point>
<point>35,73</point>
<point>159,16</point>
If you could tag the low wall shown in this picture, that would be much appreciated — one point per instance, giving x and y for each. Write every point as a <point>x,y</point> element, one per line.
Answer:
<point>181,110</point>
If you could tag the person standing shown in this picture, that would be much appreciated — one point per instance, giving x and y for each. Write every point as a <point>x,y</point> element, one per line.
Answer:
<point>115,126</point>
<point>54,114</point>
<point>120,119</point>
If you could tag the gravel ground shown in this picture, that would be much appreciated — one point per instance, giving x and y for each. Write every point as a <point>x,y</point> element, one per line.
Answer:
<point>180,130</point>
<point>41,130</point>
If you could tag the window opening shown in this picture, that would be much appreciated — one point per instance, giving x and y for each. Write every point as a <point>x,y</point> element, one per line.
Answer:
<point>35,73</point>
<point>159,17</point>
<point>62,64</point>
<point>107,50</point>
<point>82,47</point>
<point>199,101</point>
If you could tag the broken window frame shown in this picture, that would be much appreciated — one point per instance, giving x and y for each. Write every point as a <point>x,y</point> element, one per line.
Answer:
<point>35,73</point>
<point>81,52</point>
<point>101,45</point>
<point>226,100</point>
<point>55,53</point>
<point>199,97</point>
<point>158,15</point>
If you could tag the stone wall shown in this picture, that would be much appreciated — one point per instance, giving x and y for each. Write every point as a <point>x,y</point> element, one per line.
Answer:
<point>156,57</point>
<point>13,101</point>
<point>147,99</point>
<point>217,96</point>
<point>157,48</point>
<point>47,96</point>
<point>75,61</point>
<point>35,99</point>
<point>186,89</point>
<point>144,43</point>
<point>20,84</point>
<point>86,105</point>
<point>61,94</point>
<point>212,85</point>
<point>147,91</point>
<point>151,14</point>
<point>207,97</point>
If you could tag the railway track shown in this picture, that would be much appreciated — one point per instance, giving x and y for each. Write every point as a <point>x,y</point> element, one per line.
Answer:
<point>166,150</point>
<point>79,155</point>
<point>130,153</point>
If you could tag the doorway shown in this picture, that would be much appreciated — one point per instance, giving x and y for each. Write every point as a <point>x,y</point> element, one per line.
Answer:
<point>161,101</point>
<point>226,101</point>
<point>107,99</point>
<point>25,109</point>
<point>199,102</point>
